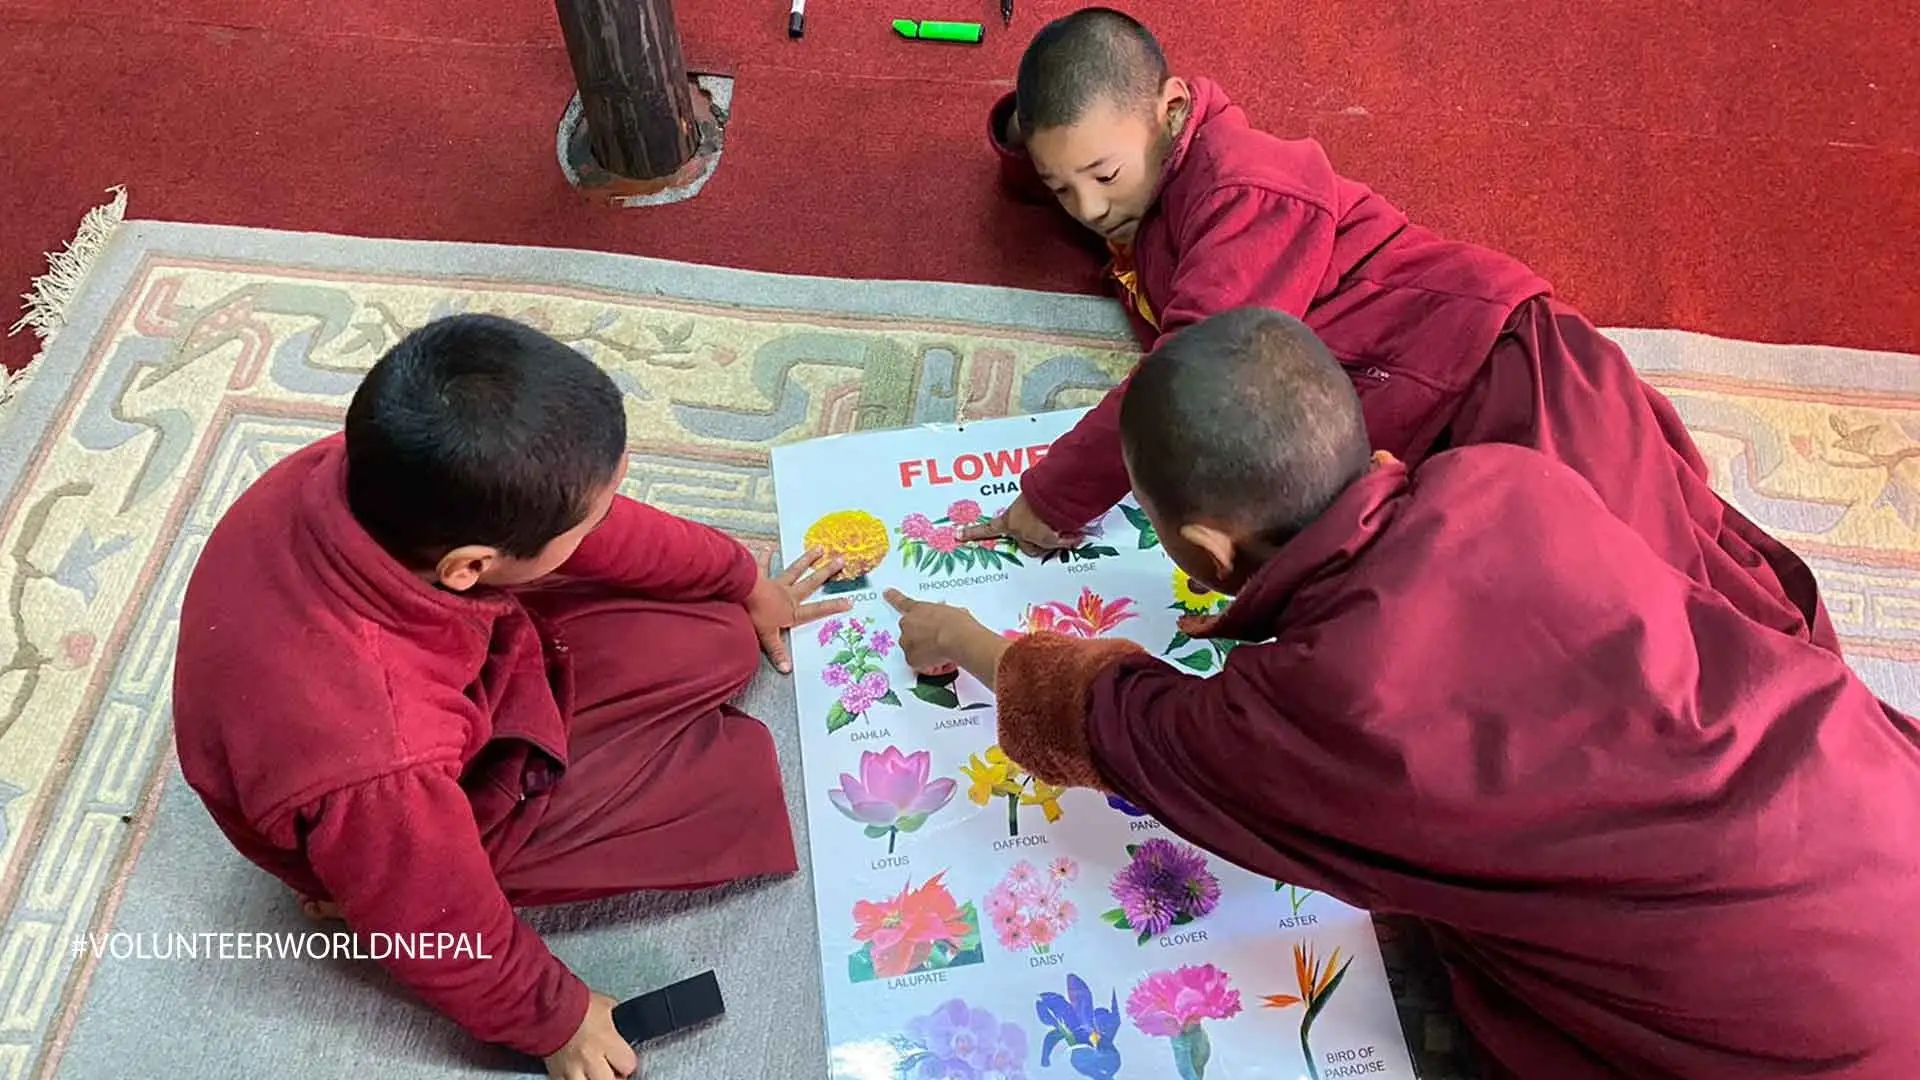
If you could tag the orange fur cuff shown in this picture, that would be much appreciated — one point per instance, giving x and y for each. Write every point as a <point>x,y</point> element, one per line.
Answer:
<point>1042,684</point>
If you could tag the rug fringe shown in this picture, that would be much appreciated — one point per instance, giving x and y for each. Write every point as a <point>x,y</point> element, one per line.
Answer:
<point>54,291</point>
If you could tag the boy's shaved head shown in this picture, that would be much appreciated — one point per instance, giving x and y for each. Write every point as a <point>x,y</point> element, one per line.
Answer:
<point>1093,55</point>
<point>1243,421</point>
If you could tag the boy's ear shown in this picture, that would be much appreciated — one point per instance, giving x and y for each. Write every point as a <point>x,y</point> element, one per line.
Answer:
<point>464,567</point>
<point>1176,102</point>
<point>1216,545</point>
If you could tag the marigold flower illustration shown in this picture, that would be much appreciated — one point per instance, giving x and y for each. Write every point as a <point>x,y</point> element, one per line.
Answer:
<point>1088,1032</point>
<point>1163,885</point>
<point>1317,983</point>
<point>1172,1005</point>
<point>995,776</point>
<point>855,671</point>
<point>921,929</point>
<point>892,794</point>
<point>960,1042</point>
<point>1027,909</point>
<point>857,538</point>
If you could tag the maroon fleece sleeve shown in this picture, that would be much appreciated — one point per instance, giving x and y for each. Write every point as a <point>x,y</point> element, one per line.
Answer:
<point>664,557</point>
<point>401,855</point>
<point>1237,246</point>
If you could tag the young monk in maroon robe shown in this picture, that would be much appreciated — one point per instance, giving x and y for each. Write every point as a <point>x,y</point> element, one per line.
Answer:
<point>438,667</point>
<point>1652,837</point>
<point>1448,344</point>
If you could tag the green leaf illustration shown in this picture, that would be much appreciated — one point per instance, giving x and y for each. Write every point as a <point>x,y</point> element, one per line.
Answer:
<point>843,658</point>
<point>975,705</point>
<point>1180,641</point>
<point>936,695</point>
<point>1198,661</point>
<point>910,823</point>
<point>860,965</point>
<point>838,717</point>
<point>890,698</point>
<point>1116,918</point>
<point>875,832</point>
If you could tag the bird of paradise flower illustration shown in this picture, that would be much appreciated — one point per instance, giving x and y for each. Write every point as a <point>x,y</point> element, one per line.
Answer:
<point>996,776</point>
<point>1317,983</point>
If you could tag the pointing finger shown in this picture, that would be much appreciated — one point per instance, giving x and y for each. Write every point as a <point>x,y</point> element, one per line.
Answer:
<point>901,602</point>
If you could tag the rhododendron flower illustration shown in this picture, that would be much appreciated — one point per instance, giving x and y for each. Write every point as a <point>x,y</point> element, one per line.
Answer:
<point>933,545</point>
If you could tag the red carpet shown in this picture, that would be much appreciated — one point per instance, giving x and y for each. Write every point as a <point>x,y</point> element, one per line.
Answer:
<point>1711,165</point>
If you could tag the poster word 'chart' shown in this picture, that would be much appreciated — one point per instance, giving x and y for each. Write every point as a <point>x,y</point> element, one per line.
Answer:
<point>976,922</point>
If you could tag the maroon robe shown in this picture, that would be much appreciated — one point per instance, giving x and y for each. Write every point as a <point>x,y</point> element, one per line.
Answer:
<point>426,759</point>
<point>1652,838</point>
<point>1447,343</point>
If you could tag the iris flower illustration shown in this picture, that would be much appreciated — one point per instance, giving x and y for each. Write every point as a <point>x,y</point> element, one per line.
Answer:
<point>1074,1022</point>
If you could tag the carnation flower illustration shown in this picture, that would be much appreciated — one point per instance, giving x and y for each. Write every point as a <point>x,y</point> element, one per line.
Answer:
<point>1172,1005</point>
<point>1316,983</point>
<point>933,545</point>
<point>1163,885</point>
<point>854,671</point>
<point>1194,602</point>
<point>892,794</point>
<point>858,539</point>
<point>921,929</point>
<point>1090,616</point>
<point>995,776</point>
<point>1149,536</point>
<point>958,1041</point>
<point>1088,1032</point>
<point>1029,909</point>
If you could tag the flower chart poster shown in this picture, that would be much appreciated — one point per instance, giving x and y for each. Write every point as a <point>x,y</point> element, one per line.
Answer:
<point>975,922</point>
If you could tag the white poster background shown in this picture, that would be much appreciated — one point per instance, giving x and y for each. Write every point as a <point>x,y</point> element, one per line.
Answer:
<point>1250,935</point>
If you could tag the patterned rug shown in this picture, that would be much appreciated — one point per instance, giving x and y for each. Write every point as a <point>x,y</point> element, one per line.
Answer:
<point>195,357</point>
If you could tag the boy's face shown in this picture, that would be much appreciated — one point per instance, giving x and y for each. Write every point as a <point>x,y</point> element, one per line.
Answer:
<point>1105,168</point>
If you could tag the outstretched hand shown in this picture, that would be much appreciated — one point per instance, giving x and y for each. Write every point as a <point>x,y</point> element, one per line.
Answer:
<point>931,635</point>
<point>1020,524</point>
<point>778,603</point>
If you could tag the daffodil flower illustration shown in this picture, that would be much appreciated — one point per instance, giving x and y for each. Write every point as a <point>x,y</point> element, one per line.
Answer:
<point>996,776</point>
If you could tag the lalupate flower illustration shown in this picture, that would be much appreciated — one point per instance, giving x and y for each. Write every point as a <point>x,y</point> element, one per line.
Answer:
<point>1172,1004</point>
<point>933,546</point>
<point>892,794</point>
<point>921,929</point>
<point>995,776</point>
<point>854,671</point>
<point>1163,885</point>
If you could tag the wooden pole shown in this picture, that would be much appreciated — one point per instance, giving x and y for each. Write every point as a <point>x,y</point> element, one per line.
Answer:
<point>634,93</point>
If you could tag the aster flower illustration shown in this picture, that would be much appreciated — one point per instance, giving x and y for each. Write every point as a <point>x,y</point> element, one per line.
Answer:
<point>1163,885</point>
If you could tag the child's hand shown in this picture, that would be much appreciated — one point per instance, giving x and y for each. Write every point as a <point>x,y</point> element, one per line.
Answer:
<point>1021,525</point>
<point>932,635</point>
<point>596,1051</point>
<point>778,604</point>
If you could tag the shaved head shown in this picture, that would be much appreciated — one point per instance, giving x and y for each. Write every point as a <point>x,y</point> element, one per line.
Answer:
<point>1243,421</point>
<point>1092,56</point>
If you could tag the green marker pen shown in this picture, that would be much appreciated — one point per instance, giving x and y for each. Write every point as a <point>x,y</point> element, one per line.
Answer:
<point>922,30</point>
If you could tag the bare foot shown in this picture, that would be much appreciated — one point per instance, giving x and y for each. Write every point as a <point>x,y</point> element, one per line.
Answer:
<point>320,910</point>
